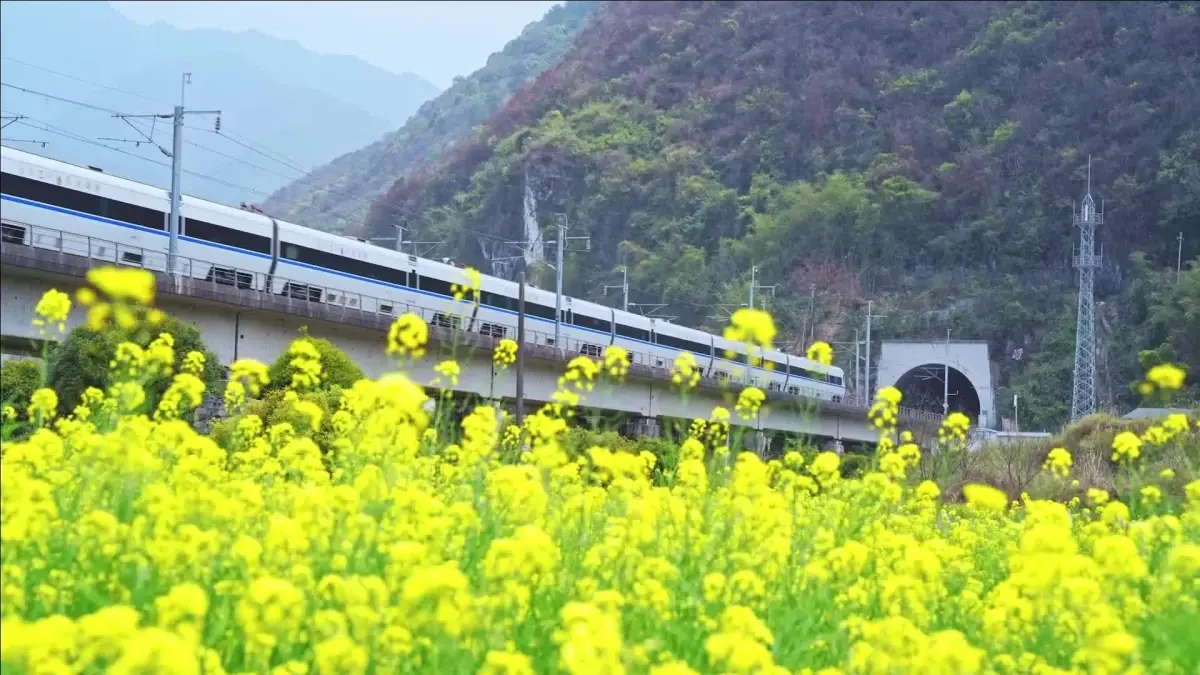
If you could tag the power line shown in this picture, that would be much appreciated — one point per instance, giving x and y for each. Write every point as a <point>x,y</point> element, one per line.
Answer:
<point>80,79</point>
<point>50,128</point>
<point>58,98</point>
<point>251,148</point>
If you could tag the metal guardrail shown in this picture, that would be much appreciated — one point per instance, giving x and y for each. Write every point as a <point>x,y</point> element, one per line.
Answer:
<point>116,253</point>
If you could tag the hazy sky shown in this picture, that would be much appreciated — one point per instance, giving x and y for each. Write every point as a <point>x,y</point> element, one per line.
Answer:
<point>436,40</point>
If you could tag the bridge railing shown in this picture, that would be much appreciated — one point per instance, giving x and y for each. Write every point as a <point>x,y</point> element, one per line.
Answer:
<point>223,277</point>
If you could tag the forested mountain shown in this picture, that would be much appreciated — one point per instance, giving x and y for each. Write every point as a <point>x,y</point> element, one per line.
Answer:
<point>310,107</point>
<point>922,155</point>
<point>339,193</point>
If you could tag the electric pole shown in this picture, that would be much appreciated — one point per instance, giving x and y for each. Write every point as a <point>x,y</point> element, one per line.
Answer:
<point>946,379</point>
<point>754,285</point>
<point>1179,259</point>
<point>176,156</point>
<point>624,288</point>
<point>521,352</point>
<point>561,246</point>
<point>867,374</point>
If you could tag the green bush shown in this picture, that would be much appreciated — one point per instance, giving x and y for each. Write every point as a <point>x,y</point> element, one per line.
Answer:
<point>336,368</point>
<point>82,359</point>
<point>272,409</point>
<point>18,381</point>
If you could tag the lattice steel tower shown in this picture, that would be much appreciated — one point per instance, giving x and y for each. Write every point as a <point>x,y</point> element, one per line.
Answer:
<point>1083,400</point>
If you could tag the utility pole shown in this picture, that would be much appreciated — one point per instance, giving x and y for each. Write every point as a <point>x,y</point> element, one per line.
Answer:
<point>867,374</point>
<point>946,379</point>
<point>624,288</point>
<point>1016,414</point>
<point>176,155</point>
<point>754,285</point>
<point>857,369</point>
<point>1179,259</point>
<point>812,313</point>
<point>521,352</point>
<point>561,245</point>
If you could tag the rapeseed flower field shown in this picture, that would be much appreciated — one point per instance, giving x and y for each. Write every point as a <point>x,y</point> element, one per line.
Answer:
<point>131,543</point>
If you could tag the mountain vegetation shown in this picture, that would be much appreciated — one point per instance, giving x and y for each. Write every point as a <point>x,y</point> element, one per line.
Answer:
<point>275,96</point>
<point>338,194</point>
<point>926,156</point>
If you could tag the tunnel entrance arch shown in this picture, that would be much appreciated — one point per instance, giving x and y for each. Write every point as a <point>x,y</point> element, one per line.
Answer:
<point>917,368</point>
<point>924,388</point>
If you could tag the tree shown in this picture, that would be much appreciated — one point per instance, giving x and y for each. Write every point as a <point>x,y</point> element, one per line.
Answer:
<point>82,360</point>
<point>337,369</point>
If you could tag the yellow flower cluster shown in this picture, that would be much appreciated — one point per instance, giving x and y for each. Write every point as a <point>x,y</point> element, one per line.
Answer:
<point>616,362</point>
<point>753,327</point>
<point>130,293</point>
<point>306,364</point>
<point>1164,377</point>
<point>505,354</point>
<point>749,401</point>
<point>685,372</point>
<point>407,336</point>
<point>471,288</point>
<point>820,352</point>
<point>53,308</point>
<point>1058,462</point>
<point>129,542</point>
<point>953,431</point>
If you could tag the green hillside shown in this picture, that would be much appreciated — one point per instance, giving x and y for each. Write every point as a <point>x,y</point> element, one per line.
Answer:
<point>922,155</point>
<point>338,194</point>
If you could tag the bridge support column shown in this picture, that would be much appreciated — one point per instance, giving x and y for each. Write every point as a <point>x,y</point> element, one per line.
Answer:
<point>644,427</point>
<point>759,443</point>
<point>834,445</point>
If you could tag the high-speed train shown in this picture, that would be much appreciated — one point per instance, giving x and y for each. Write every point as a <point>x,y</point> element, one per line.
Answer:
<point>246,249</point>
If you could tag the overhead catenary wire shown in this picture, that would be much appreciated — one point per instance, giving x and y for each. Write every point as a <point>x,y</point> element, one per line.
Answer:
<point>85,81</point>
<point>59,131</point>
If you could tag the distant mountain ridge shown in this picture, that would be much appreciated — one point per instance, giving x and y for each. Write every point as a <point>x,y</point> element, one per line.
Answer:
<point>293,107</point>
<point>336,196</point>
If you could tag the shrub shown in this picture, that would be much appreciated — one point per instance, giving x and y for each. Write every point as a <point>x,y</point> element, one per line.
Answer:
<point>337,369</point>
<point>82,360</point>
<point>18,380</point>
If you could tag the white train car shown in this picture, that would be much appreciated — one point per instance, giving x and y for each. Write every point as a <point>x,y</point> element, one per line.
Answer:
<point>84,211</point>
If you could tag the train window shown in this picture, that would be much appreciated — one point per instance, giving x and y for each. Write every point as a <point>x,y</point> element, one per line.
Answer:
<point>634,333</point>
<point>590,322</point>
<point>541,311</point>
<point>199,229</point>
<point>340,263</point>
<point>137,215</point>
<point>435,286</point>
<point>679,343</point>
<point>834,379</point>
<point>499,301</point>
<point>76,200</point>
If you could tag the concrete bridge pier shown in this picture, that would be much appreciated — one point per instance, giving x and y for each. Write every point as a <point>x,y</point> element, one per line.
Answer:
<point>644,427</point>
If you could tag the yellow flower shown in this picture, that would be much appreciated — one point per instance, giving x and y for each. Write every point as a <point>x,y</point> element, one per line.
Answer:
<point>53,308</point>
<point>1166,376</point>
<point>820,352</point>
<point>1126,447</point>
<point>506,353</point>
<point>124,283</point>
<point>474,281</point>
<point>43,402</point>
<point>1058,462</point>
<point>685,373</point>
<point>1167,474</point>
<point>985,497</point>
<point>450,370</point>
<point>616,361</point>
<point>751,326</point>
<point>407,336</point>
<point>193,364</point>
<point>749,401</point>
<point>306,362</point>
<point>9,414</point>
